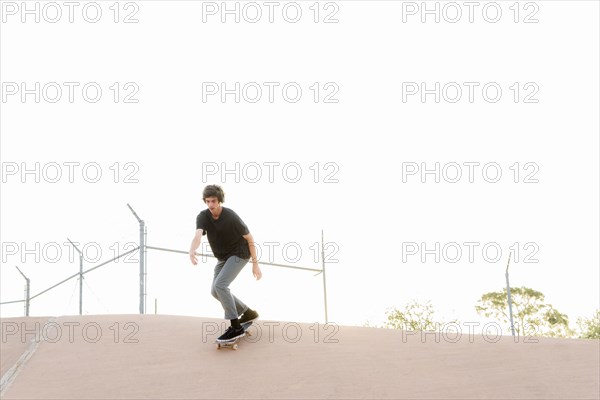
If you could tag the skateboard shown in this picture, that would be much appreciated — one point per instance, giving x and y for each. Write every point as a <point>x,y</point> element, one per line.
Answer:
<point>234,344</point>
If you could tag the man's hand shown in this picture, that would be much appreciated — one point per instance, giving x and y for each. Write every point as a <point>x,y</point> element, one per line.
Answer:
<point>195,245</point>
<point>193,257</point>
<point>256,270</point>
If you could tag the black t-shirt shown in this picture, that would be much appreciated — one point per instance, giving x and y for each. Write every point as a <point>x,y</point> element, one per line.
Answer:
<point>224,234</point>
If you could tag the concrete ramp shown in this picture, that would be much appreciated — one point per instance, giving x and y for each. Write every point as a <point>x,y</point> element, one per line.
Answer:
<point>173,357</point>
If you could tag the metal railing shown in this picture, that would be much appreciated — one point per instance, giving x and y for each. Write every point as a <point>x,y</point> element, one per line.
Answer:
<point>142,278</point>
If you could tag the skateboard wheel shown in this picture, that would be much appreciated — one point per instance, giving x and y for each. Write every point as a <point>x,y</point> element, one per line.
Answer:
<point>218,346</point>
<point>235,346</point>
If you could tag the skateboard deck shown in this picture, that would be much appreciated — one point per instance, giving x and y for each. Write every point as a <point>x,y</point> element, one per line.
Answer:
<point>234,344</point>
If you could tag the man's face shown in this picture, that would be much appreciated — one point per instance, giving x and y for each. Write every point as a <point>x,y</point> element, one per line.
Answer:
<point>212,203</point>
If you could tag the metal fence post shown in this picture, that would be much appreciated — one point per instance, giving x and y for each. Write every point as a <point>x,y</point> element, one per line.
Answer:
<point>26,292</point>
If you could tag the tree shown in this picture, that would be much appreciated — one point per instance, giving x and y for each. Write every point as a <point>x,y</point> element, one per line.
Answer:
<point>531,315</point>
<point>589,328</point>
<point>415,316</point>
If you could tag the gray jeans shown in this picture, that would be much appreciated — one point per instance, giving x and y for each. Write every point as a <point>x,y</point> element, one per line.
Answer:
<point>225,272</point>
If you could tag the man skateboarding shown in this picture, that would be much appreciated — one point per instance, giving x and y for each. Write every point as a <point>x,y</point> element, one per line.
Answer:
<point>232,244</point>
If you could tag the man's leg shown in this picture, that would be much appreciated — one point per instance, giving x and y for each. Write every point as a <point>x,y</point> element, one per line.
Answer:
<point>225,273</point>
<point>218,269</point>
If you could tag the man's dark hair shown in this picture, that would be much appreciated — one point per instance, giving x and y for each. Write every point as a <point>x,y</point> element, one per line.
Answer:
<point>214,191</point>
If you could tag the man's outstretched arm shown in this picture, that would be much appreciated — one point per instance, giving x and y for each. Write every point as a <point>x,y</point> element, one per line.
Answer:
<point>195,244</point>
<point>255,268</point>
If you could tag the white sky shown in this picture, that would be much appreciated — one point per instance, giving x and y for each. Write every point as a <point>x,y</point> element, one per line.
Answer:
<point>172,136</point>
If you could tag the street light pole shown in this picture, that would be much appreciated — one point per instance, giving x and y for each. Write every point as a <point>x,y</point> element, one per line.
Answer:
<point>142,260</point>
<point>512,326</point>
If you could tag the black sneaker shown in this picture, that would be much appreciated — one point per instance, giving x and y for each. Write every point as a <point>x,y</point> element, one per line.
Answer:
<point>248,316</point>
<point>230,334</point>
